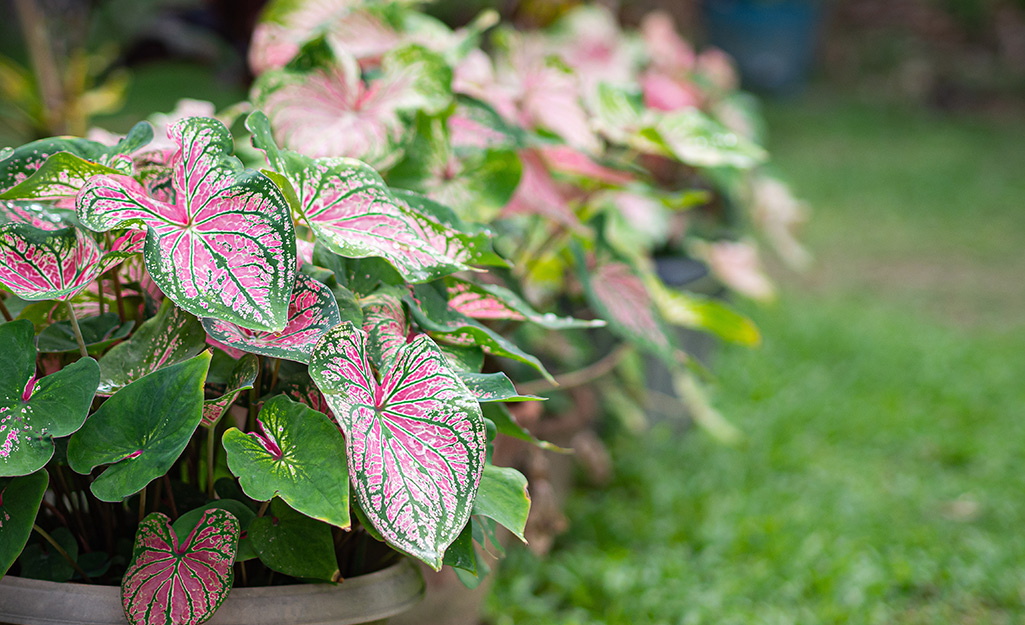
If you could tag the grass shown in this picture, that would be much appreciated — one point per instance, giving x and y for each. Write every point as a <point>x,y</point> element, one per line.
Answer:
<point>881,479</point>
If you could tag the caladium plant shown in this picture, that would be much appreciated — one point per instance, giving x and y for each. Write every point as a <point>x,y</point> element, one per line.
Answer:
<point>349,309</point>
<point>219,329</point>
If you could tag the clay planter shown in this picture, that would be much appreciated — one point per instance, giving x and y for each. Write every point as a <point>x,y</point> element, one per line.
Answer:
<point>371,598</point>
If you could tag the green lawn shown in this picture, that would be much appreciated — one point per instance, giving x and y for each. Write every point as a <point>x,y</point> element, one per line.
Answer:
<point>881,480</point>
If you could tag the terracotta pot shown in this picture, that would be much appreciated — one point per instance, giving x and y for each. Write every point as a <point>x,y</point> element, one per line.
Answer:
<point>371,598</point>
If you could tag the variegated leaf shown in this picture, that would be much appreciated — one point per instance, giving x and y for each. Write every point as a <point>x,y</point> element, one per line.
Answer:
<point>172,583</point>
<point>54,264</point>
<point>354,214</point>
<point>432,311</point>
<point>415,441</point>
<point>487,387</point>
<point>169,337</point>
<point>62,175</point>
<point>226,247</point>
<point>490,301</point>
<point>384,321</point>
<point>26,160</point>
<point>36,214</point>
<point>242,378</point>
<point>311,313</point>
<point>619,296</point>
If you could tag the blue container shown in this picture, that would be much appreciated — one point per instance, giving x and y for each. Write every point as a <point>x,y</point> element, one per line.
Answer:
<point>772,41</point>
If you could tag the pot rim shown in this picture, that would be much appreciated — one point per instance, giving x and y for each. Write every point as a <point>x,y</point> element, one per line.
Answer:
<point>360,599</point>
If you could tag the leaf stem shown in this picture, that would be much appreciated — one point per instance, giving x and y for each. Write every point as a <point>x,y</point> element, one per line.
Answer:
<point>263,508</point>
<point>254,396</point>
<point>210,439</point>
<point>117,295</point>
<point>61,551</point>
<point>274,373</point>
<point>580,377</point>
<point>142,504</point>
<point>77,330</point>
<point>6,313</point>
<point>170,495</point>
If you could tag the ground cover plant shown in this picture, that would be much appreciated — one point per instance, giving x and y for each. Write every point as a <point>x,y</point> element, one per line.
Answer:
<point>880,478</point>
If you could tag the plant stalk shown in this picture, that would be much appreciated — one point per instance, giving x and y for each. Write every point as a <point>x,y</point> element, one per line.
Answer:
<point>580,377</point>
<point>77,330</point>
<point>60,550</point>
<point>117,295</point>
<point>142,504</point>
<point>211,437</point>
<point>6,313</point>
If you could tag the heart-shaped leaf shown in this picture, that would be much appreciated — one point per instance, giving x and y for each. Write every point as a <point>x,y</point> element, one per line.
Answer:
<point>26,160</point>
<point>171,336</point>
<point>42,561</point>
<point>490,301</point>
<point>180,583</point>
<point>431,310</point>
<point>298,455</point>
<point>243,374</point>
<point>503,497</point>
<point>312,312</point>
<point>97,332</point>
<point>34,412</point>
<point>141,430</point>
<point>54,264</point>
<point>294,544</point>
<point>618,295</point>
<point>20,498</point>
<point>226,247</point>
<point>354,214</point>
<point>415,441</point>
<point>185,523</point>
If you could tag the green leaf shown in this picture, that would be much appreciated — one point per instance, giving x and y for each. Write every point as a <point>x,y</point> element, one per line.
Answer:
<point>298,455</point>
<point>34,412</point>
<point>142,429</point>
<point>20,498</point>
<point>488,387</point>
<point>503,497</point>
<point>460,553</point>
<point>98,332</point>
<point>170,337</point>
<point>699,312</point>
<point>291,543</point>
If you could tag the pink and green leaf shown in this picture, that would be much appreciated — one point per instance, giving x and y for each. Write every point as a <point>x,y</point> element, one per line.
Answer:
<point>493,302</point>
<point>311,312</point>
<point>225,248</point>
<point>298,454</point>
<point>415,441</point>
<point>243,375</point>
<point>53,264</point>
<point>34,411</point>
<point>432,312</point>
<point>25,161</point>
<point>36,214</point>
<point>62,175</point>
<point>354,214</point>
<point>169,337</point>
<point>180,583</point>
<point>384,321</point>
<point>619,296</point>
